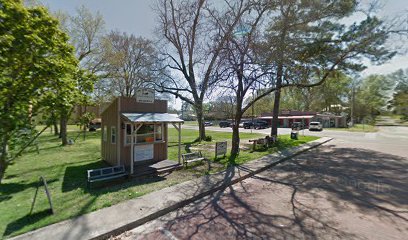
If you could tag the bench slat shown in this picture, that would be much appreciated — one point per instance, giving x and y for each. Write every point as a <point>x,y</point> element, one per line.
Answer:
<point>96,175</point>
<point>192,157</point>
<point>195,160</point>
<point>107,178</point>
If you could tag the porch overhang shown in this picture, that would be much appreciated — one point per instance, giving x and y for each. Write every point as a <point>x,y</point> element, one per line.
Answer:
<point>152,118</point>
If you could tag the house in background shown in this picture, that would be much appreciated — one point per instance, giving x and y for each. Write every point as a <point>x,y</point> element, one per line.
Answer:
<point>135,133</point>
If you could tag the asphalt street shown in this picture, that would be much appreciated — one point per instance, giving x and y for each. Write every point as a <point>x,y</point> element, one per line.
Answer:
<point>354,187</point>
<point>389,139</point>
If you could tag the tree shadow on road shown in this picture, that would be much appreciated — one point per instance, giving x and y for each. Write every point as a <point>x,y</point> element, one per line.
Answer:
<point>371,182</point>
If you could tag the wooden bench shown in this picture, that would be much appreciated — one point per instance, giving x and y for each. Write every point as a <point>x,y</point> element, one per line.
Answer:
<point>192,157</point>
<point>264,142</point>
<point>103,174</point>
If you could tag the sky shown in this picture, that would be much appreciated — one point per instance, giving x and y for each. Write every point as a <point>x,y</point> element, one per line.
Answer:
<point>137,17</point>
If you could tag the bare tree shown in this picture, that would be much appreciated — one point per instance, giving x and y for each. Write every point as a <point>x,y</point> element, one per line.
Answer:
<point>240,71</point>
<point>129,61</point>
<point>191,48</point>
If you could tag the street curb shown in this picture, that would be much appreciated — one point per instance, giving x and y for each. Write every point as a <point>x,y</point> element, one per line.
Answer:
<point>185,202</point>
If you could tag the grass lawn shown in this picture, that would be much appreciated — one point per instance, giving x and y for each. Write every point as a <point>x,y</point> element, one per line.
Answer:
<point>65,170</point>
<point>358,128</point>
<point>191,123</point>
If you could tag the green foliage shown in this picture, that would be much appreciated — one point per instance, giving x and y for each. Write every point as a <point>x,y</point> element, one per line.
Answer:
<point>372,95</point>
<point>37,68</point>
<point>399,101</point>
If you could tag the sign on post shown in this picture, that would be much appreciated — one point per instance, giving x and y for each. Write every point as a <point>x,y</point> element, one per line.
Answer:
<point>220,148</point>
<point>145,95</point>
<point>47,192</point>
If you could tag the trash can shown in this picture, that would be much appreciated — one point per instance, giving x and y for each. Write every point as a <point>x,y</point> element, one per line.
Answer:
<point>294,135</point>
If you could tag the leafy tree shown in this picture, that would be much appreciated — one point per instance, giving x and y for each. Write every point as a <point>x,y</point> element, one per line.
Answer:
<point>373,95</point>
<point>85,30</point>
<point>399,101</point>
<point>34,57</point>
<point>306,43</point>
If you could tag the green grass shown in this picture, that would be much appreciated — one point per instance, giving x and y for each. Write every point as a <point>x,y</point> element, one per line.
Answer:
<point>65,170</point>
<point>357,128</point>
<point>191,123</point>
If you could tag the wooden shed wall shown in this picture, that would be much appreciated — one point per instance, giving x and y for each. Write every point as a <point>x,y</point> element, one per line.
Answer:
<point>110,119</point>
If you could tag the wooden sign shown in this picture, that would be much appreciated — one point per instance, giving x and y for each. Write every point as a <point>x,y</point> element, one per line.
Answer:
<point>143,152</point>
<point>145,95</point>
<point>220,148</point>
<point>47,192</point>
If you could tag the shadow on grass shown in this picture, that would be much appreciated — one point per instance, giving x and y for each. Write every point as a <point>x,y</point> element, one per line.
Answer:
<point>7,189</point>
<point>101,188</point>
<point>31,219</point>
<point>76,176</point>
<point>26,220</point>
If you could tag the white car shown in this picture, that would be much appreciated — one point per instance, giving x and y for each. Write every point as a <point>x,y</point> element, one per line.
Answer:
<point>315,126</point>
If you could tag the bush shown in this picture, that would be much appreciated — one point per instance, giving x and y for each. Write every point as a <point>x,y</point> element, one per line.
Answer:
<point>207,139</point>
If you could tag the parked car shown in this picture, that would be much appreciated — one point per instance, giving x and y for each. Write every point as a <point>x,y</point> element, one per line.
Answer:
<point>208,124</point>
<point>260,125</point>
<point>315,126</point>
<point>255,125</point>
<point>224,124</point>
<point>298,126</point>
<point>247,125</point>
<point>241,125</point>
<point>94,124</point>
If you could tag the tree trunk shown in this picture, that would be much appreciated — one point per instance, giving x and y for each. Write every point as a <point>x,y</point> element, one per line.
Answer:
<point>275,112</point>
<point>56,132</point>
<point>63,130</point>
<point>200,121</point>
<point>3,157</point>
<point>235,136</point>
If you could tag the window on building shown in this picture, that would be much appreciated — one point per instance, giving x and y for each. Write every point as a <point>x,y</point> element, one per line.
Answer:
<point>145,133</point>
<point>105,133</point>
<point>113,135</point>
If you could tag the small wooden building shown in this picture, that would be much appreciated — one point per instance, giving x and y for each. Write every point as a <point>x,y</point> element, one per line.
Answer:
<point>128,124</point>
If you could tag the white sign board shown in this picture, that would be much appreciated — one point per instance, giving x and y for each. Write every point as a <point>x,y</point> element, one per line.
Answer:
<point>145,95</point>
<point>220,148</point>
<point>143,152</point>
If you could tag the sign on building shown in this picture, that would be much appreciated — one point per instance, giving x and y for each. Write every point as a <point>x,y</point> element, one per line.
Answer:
<point>220,148</point>
<point>145,95</point>
<point>143,152</point>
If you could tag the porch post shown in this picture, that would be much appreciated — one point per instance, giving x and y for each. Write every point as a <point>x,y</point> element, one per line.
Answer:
<point>179,143</point>
<point>131,148</point>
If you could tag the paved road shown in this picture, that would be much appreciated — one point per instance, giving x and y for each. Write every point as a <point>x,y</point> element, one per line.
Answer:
<point>389,139</point>
<point>354,187</point>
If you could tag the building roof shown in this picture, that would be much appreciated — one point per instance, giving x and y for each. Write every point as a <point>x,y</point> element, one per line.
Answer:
<point>152,117</point>
<point>289,117</point>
